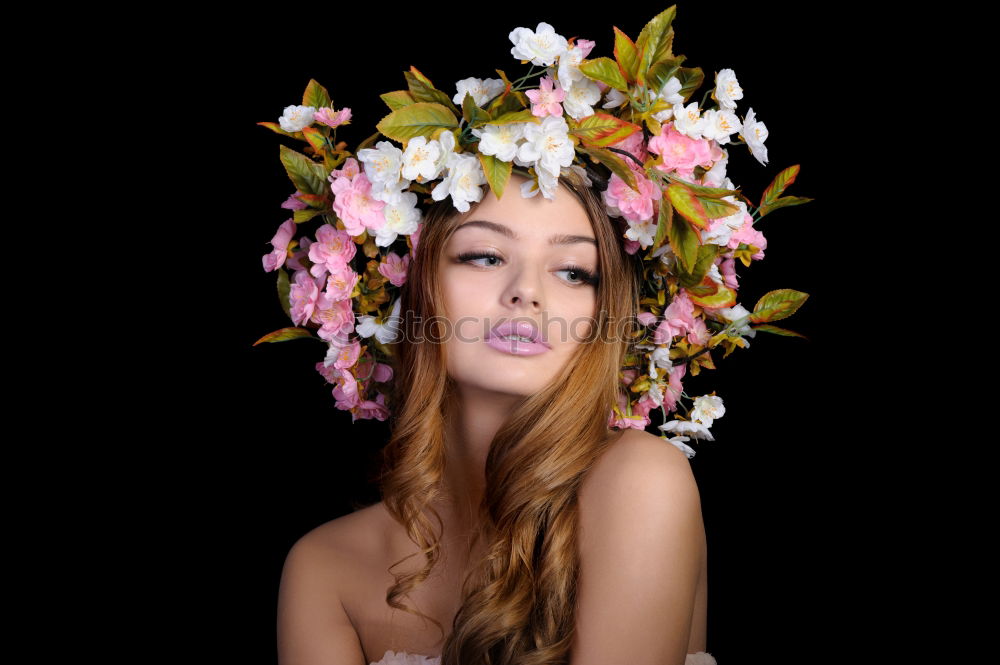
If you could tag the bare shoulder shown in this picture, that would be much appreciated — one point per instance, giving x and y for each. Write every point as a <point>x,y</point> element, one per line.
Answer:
<point>641,549</point>
<point>313,625</point>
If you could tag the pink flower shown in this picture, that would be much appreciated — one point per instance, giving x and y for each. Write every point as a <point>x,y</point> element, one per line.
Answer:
<point>727,267</point>
<point>373,409</point>
<point>674,388</point>
<point>293,203</point>
<point>546,100</point>
<point>634,206</point>
<point>332,251</point>
<point>635,421</point>
<point>279,242</point>
<point>348,355</point>
<point>351,169</point>
<point>355,206</point>
<point>634,145</point>
<point>330,373</point>
<point>643,407</point>
<point>415,238</point>
<point>334,317</point>
<point>340,284</point>
<point>631,246</point>
<point>681,153</point>
<point>303,296</point>
<point>295,262</point>
<point>678,319</point>
<point>383,373</point>
<point>327,116</point>
<point>749,235</point>
<point>699,334</point>
<point>346,391</point>
<point>394,268</point>
<point>646,318</point>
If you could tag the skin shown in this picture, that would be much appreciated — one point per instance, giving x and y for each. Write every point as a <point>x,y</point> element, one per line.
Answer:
<point>531,278</point>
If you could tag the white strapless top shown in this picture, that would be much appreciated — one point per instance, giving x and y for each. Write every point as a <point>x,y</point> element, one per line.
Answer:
<point>402,658</point>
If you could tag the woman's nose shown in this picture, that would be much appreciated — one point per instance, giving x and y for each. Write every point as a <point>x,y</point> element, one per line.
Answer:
<point>524,290</point>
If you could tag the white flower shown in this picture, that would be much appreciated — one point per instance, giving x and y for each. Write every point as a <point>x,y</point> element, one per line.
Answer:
<point>687,120</point>
<point>717,174</point>
<point>614,98</point>
<point>719,125</point>
<point>721,233</point>
<point>446,141</point>
<point>715,275</point>
<point>569,72</point>
<point>755,133</point>
<point>696,430</point>
<point>547,143</point>
<point>385,332</point>
<point>735,313</point>
<point>482,90</point>
<point>707,409</point>
<point>541,46</point>
<point>643,231</point>
<point>548,181</point>
<point>420,159</point>
<point>463,183</point>
<point>678,441</point>
<point>296,118</point>
<point>580,99</point>
<point>501,141</point>
<point>660,357</point>
<point>382,167</point>
<point>401,218</point>
<point>669,94</point>
<point>727,89</point>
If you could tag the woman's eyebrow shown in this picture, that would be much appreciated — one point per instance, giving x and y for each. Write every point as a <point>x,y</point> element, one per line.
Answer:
<point>558,239</point>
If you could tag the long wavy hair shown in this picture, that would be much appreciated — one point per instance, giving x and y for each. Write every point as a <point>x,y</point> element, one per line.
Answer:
<point>519,600</point>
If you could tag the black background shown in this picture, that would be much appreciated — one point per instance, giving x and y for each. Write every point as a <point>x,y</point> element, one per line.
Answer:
<point>260,454</point>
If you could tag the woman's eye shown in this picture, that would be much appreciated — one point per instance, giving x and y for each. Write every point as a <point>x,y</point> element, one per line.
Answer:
<point>469,257</point>
<point>579,276</point>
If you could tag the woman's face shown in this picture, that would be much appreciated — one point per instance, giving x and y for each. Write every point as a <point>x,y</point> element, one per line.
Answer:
<point>518,261</point>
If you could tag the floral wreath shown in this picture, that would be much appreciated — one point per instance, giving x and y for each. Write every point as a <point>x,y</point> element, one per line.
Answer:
<point>629,117</point>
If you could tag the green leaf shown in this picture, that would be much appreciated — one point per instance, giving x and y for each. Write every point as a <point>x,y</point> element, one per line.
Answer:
<point>601,130</point>
<point>397,99</point>
<point>655,41</point>
<point>604,70</point>
<point>418,119</point>
<point>369,142</point>
<point>698,209</point>
<point>523,115</point>
<point>284,288</point>
<point>423,90</point>
<point>777,305</point>
<point>663,221</point>
<point>307,176</point>
<point>473,115</point>
<point>316,96</point>
<point>783,202</point>
<point>497,172</point>
<point>316,139</point>
<point>626,54</point>
<point>691,79</point>
<point>684,242</point>
<point>305,214</point>
<point>615,163</point>
<point>723,297</point>
<point>660,72</point>
<point>766,327</point>
<point>704,262</point>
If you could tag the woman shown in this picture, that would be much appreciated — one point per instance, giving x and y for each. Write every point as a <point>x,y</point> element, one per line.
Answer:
<point>513,518</point>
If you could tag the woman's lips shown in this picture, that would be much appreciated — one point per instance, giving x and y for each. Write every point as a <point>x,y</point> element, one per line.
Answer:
<point>516,347</point>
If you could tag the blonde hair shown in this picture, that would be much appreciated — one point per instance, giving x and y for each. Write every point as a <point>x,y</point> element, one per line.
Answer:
<point>518,602</point>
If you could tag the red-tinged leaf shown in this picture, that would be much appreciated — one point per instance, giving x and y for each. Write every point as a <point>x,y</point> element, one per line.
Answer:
<point>626,54</point>
<point>778,185</point>
<point>698,210</point>
<point>316,96</point>
<point>312,200</point>
<point>783,202</point>
<point>723,297</point>
<point>664,219</point>
<point>305,214</point>
<point>285,334</point>
<point>615,163</point>
<point>601,130</point>
<point>767,327</point>
<point>684,241</point>
<point>777,305</point>
<point>316,139</point>
<point>276,128</point>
